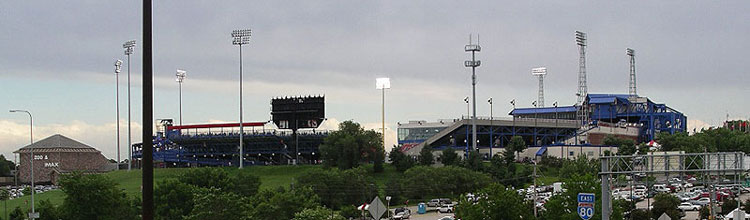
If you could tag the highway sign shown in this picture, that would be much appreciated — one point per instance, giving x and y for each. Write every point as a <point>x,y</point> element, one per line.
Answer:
<point>586,205</point>
<point>377,209</point>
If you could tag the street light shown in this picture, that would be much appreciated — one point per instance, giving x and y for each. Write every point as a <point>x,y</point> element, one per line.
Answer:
<point>239,38</point>
<point>128,46</point>
<point>33,214</point>
<point>383,84</point>
<point>180,77</point>
<point>534,103</point>
<point>118,65</point>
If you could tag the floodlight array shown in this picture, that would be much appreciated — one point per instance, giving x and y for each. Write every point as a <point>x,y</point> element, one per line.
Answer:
<point>241,37</point>
<point>630,52</point>
<point>180,75</point>
<point>580,38</point>
<point>129,45</point>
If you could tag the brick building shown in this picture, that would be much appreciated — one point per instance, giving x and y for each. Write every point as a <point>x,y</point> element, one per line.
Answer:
<point>57,155</point>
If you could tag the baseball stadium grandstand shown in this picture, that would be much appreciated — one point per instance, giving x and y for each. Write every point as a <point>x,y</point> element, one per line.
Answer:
<point>624,116</point>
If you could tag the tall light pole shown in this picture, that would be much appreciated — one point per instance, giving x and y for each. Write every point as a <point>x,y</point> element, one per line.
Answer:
<point>128,46</point>
<point>534,103</point>
<point>180,77</point>
<point>491,129</point>
<point>118,65</point>
<point>513,103</point>
<point>239,38</point>
<point>31,149</point>
<point>466,151</point>
<point>383,84</point>
<point>540,72</point>
<point>473,63</point>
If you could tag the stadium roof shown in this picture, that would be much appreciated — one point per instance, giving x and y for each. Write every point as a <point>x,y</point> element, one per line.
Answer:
<point>57,143</point>
<point>559,109</point>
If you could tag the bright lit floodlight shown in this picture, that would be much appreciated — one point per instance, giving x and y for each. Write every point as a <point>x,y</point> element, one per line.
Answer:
<point>180,75</point>
<point>539,71</point>
<point>129,45</point>
<point>118,65</point>
<point>383,83</point>
<point>241,37</point>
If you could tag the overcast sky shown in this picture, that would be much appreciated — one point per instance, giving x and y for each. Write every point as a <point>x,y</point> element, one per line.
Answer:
<point>56,59</point>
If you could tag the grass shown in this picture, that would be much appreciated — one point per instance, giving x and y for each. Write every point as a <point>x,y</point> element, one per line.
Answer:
<point>55,197</point>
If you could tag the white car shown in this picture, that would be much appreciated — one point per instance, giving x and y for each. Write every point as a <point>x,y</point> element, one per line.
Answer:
<point>401,213</point>
<point>702,201</point>
<point>446,218</point>
<point>686,206</point>
<point>446,208</point>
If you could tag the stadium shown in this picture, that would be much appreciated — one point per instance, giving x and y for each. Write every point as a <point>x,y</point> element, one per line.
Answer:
<point>570,129</point>
<point>262,144</point>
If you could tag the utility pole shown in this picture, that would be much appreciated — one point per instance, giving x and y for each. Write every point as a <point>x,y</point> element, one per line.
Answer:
<point>535,191</point>
<point>491,128</point>
<point>473,63</point>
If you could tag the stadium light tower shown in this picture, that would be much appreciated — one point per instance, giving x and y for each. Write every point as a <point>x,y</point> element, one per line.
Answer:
<point>180,77</point>
<point>239,38</point>
<point>582,88</point>
<point>118,65</point>
<point>473,63</point>
<point>33,214</point>
<point>128,46</point>
<point>631,87</point>
<point>540,72</point>
<point>383,84</point>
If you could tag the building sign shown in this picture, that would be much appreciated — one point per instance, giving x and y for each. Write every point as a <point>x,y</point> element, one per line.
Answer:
<point>41,157</point>
<point>55,164</point>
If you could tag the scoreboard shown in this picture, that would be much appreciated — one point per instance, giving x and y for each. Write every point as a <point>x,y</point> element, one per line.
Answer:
<point>298,112</point>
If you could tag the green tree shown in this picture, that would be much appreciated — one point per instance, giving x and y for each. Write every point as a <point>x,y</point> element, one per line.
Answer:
<point>351,145</point>
<point>425,156</point>
<point>492,197</point>
<point>337,188</point>
<point>4,196</point>
<point>214,204</point>
<point>624,146</point>
<point>173,199</point>
<point>6,166</point>
<point>560,206</point>
<point>728,206</point>
<point>47,211</point>
<point>474,161</point>
<point>317,213</point>
<point>17,214</point>
<point>401,161</point>
<point>517,145</point>
<point>245,184</point>
<point>666,203</point>
<point>207,177</point>
<point>581,165</point>
<point>422,182</point>
<point>94,197</point>
<point>449,156</point>
<point>282,204</point>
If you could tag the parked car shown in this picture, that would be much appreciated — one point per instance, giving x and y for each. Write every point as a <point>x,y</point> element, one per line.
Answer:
<point>444,201</point>
<point>433,203</point>
<point>686,206</point>
<point>446,218</point>
<point>661,188</point>
<point>446,208</point>
<point>701,202</point>
<point>401,213</point>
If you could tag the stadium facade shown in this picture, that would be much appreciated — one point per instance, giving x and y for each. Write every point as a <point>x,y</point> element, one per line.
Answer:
<point>561,128</point>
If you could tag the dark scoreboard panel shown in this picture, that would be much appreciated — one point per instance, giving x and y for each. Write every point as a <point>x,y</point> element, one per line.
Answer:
<point>298,112</point>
